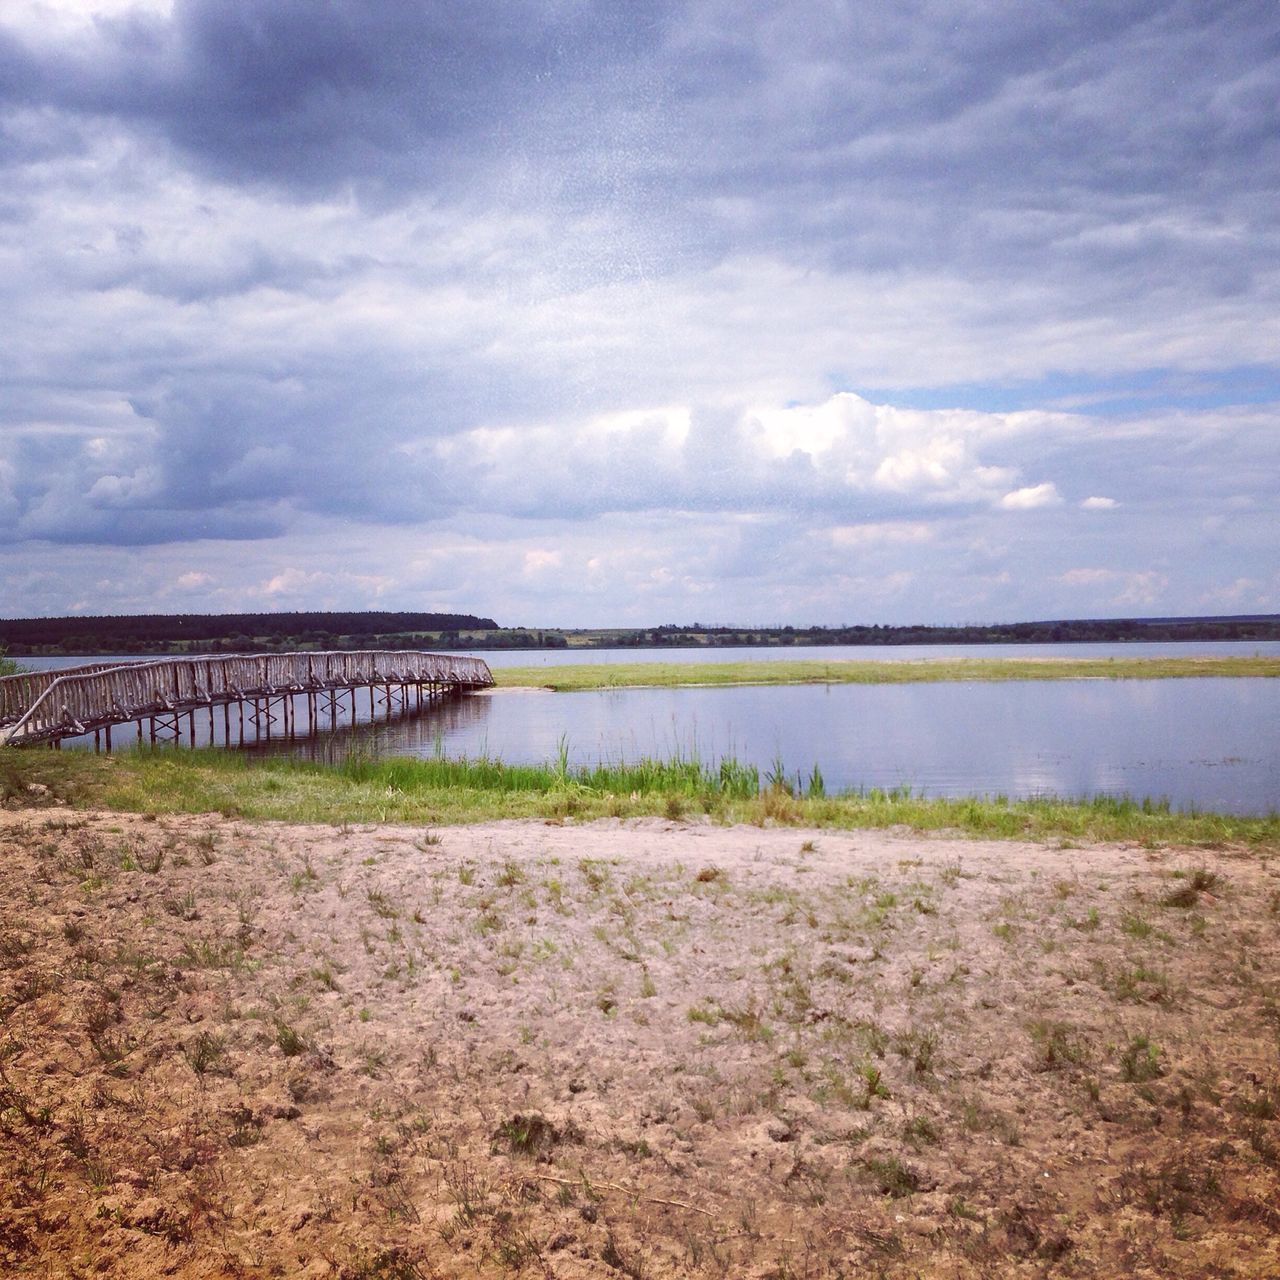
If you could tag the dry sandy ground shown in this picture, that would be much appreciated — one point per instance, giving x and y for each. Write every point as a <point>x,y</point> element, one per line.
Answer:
<point>647,1049</point>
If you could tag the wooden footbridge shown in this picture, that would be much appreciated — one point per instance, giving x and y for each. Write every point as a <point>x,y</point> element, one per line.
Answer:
<point>254,696</point>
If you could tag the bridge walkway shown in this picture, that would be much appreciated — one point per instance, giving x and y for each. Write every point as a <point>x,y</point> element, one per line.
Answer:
<point>45,707</point>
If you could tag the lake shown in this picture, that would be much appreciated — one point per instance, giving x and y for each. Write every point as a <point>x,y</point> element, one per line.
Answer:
<point>1211,744</point>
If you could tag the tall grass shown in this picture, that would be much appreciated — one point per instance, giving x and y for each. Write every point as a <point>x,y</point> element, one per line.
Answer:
<point>677,776</point>
<point>437,790</point>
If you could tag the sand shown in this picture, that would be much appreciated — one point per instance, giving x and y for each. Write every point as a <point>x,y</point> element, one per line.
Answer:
<point>645,1049</point>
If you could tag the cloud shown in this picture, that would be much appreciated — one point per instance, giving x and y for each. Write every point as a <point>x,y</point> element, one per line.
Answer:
<point>1032,497</point>
<point>1119,587</point>
<point>524,277</point>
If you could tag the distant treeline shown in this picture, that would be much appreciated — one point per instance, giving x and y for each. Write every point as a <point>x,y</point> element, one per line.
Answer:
<point>275,632</point>
<point>230,632</point>
<point>1097,630</point>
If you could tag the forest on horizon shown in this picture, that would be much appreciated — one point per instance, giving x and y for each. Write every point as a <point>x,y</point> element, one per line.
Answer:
<point>276,632</point>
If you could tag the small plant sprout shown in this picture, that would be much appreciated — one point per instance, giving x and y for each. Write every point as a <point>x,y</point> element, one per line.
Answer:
<point>1140,1060</point>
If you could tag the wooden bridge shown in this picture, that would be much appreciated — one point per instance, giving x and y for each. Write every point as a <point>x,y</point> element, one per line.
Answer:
<point>259,695</point>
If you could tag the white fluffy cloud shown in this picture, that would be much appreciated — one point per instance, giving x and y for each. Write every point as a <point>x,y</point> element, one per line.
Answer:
<point>1031,497</point>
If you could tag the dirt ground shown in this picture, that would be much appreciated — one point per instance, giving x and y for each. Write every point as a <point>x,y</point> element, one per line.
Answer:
<point>642,1049</point>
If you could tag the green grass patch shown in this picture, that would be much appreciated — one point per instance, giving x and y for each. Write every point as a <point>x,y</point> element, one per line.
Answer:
<point>435,790</point>
<point>816,671</point>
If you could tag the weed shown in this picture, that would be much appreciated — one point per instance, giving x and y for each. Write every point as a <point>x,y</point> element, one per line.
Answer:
<point>510,875</point>
<point>892,1177</point>
<point>1186,895</point>
<point>183,908</point>
<point>290,1041</point>
<point>919,1048</point>
<point>150,860</point>
<point>528,1135</point>
<point>919,1129</point>
<point>212,953</point>
<point>204,1053</point>
<point>205,845</point>
<point>1139,983</point>
<point>246,1128</point>
<point>747,1022</point>
<point>1140,1060</point>
<point>304,879</point>
<point>381,904</point>
<point>1057,1045</point>
<point>1135,926</point>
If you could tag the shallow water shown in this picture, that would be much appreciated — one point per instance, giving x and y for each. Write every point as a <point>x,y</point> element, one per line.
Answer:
<point>1207,743</point>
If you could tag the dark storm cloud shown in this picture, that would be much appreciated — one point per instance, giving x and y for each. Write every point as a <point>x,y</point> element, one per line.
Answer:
<point>308,96</point>
<point>838,106</point>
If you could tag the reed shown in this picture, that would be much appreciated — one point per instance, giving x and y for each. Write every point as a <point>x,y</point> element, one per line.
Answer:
<point>437,791</point>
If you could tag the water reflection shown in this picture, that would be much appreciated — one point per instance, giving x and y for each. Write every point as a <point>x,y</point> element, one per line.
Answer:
<point>1203,743</point>
<point>410,733</point>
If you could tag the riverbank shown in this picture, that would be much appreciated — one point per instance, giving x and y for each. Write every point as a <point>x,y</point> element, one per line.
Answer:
<point>629,1048</point>
<point>437,790</point>
<point>586,676</point>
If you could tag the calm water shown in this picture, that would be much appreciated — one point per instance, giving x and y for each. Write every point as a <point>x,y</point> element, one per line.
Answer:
<point>1204,743</point>
<point>1207,744</point>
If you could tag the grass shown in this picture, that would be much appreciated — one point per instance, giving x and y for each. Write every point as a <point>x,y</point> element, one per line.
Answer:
<point>668,674</point>
<point>433,791</point>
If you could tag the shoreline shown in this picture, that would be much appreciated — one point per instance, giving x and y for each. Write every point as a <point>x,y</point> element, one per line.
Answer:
<point>439,790</point>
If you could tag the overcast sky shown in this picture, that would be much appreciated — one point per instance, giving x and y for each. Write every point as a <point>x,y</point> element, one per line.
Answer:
<point>583,312</point>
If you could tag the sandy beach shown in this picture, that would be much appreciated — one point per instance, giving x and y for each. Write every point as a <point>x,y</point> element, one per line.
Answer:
<point>642,1048</point>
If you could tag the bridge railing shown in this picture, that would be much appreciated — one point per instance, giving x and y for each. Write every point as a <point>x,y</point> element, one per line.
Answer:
<point>21,691</point>
<point>80,700</point>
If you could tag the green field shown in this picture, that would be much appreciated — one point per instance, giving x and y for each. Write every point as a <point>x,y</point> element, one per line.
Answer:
<point>439,791</point>
<point>669,674</point>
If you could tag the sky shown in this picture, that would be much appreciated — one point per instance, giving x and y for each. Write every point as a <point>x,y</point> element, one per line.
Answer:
<point>579,313</point>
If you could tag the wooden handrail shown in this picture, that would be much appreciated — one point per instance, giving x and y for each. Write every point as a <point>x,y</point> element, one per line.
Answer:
<point>67,703</point>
